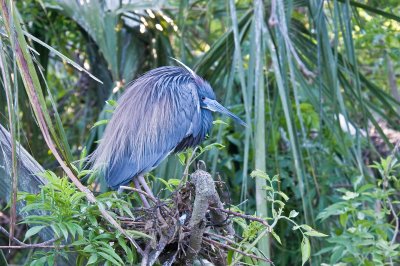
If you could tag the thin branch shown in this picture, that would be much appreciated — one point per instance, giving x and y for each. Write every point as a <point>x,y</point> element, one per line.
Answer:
<point>396,218</point>
<point>189,162</point>
<point>245,216</point>
<point>229,240</point>
<point>4,231</point>
<point>24,245</point>
<point>33,246</point>
<point>138,191</point>
<point>385,184</point>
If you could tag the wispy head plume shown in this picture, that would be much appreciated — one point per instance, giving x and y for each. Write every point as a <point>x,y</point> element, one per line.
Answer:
<point>185,66</point>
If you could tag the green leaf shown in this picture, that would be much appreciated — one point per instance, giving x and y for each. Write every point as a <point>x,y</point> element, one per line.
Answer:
<point>99,123</point>
<point>104,236</point>
<point>365,187</point>
<point>182,158</point>
<point>56,230</point>
<point>164,182</point>
<point>64,230</point>
<point>71,228</point>
<point>305,250</point>
<point>276,237</point>
<point>260,174</point>
<point>112,103</point>
<point>268,188</point>
<point>343,219</point>
<point>350,195</point>
<point>139,234</point>
<point>109,258</point>
<point>220,122</point>
<point>283,195</point>
<point>80,242</point>
<point>303,226</point>
<point>229,257</point>
<point>84,173</point>
<point>293,214</point>
<point>39,262</point>
<point>212,145</point>
<point>33,231</point>
<point>281,203</point>
<point>110,251</point>
<point>174,182</point>
<point>127,250</point>
<point>315,233</point>
<point>89,249</point>
<point>92,259</point>
<point>69,61</point>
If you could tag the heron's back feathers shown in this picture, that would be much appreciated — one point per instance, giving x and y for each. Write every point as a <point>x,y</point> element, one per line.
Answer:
<point>158,114</point>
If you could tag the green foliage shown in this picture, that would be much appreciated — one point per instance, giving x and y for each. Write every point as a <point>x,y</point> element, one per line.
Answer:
<point>254,231</point>
<point>366,221</point>
<point>77,226</point>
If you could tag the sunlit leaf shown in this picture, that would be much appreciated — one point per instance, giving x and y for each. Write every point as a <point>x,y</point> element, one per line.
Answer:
<point>33,231</point>
<point>305,250</point>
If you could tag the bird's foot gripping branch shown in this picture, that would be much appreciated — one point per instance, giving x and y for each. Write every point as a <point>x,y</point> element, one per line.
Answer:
<point>191,224</point>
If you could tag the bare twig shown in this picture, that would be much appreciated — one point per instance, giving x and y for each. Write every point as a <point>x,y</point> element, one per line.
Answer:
<point>392,210</point>
<point>138,191</point>
<point>188,163</point>
<point>229,240</point>
<point>5,232</point>
<point>396,218</point>
<point>23,245</point>
<point>162,243</point>
<point>33,246</point>
<point>145,255</point>
<point>247,217</point>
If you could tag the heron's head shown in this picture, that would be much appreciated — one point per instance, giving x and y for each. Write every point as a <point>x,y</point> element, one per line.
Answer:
<point>207,101</point>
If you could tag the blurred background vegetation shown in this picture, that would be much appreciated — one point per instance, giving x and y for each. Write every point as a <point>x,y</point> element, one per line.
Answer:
<point>317,81</point>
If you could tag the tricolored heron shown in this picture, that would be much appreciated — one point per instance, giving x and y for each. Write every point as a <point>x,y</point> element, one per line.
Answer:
<point>165,111</point>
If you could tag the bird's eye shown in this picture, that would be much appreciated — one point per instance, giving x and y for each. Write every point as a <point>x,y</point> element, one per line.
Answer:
<point>203,98</point>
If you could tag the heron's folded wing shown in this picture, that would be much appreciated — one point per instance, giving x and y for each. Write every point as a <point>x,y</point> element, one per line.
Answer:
<point>160,119</point>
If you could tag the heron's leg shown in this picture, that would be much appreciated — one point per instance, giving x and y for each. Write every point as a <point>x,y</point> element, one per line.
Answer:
<point>144,185</point>
<point>142,197</point>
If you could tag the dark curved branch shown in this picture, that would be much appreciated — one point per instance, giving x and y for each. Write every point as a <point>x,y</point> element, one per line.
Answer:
<point>206,196</point>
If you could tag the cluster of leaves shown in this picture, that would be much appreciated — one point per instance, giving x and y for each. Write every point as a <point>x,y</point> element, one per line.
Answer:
<point>60,212</point>
<point>277,202</point>
<point>368,221</point>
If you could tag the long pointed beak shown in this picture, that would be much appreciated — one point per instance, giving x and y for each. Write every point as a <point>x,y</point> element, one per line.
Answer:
<point>215,106</point>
